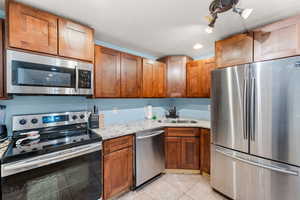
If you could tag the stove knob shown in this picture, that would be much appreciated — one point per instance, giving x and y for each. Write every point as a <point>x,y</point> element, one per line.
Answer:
<point>81,116</point>
<point>22,121</point>
<point>74,117</point>
<point>34,121</point>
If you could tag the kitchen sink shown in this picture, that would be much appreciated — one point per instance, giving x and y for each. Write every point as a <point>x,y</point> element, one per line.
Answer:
<point>178,121</point>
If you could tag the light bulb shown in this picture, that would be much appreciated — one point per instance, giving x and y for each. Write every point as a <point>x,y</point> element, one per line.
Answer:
<point>246,13</point>
<point>198,46</point>
<point>209,29</point>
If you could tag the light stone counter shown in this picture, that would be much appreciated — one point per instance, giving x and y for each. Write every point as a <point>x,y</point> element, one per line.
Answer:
<point>114,131</point>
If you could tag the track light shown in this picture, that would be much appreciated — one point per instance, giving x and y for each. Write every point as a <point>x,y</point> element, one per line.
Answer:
<point>244,13</point>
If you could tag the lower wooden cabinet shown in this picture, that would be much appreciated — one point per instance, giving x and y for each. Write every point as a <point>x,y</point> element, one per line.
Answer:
<point>118,166</point>
<point>2,71</point>
<point>182,148</point>
<point>205,150</point>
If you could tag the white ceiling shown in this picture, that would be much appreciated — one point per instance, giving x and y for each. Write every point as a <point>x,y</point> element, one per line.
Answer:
<point>163,27</point>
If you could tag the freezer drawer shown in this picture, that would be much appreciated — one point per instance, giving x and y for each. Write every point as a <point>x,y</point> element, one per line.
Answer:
<point>243,177</point>
<point>229,107</point>
<point>150,157</point>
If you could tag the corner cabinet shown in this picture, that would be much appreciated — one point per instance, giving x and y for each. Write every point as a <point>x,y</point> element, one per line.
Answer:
<point>131,75</point>
<point>176,75</point>
<point>154,79</point>
<point>118,166</point>
<point>32,29</point>
<point>278,40</point>
<point>199,77</point>
<point>107,70</point>
<point>205,150</point>
<point>75,40</point>
<point>235,50</point>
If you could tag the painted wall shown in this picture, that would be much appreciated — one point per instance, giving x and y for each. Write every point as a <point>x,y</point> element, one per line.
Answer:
<point>116,111</point>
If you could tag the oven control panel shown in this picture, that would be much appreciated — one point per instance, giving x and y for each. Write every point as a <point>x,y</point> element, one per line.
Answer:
<point>24,122</point>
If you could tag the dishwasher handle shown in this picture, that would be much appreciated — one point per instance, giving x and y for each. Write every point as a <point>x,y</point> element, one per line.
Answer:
<point>156,133</point>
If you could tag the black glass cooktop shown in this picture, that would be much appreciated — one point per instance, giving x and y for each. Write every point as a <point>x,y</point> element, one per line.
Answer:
<point>50,140</point>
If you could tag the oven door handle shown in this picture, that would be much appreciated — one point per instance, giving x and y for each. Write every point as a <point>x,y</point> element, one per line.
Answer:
<point>25,165</point>
<point>76,79</point>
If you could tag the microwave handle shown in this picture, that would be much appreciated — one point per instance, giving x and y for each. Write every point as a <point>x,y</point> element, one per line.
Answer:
<point>76,78</point>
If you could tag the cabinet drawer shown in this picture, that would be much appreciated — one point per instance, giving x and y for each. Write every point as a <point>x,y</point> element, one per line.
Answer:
<point>117,144</point>
<point>182,132</point>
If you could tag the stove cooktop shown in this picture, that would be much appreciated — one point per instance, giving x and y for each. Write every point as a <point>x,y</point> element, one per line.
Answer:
<point>50,140</point>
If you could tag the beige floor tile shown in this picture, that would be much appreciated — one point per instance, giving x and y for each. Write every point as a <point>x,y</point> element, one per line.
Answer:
<point>182,182</point>
<point>185,197</point>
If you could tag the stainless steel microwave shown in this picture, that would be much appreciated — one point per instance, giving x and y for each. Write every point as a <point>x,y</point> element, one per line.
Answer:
<point>38,74</point>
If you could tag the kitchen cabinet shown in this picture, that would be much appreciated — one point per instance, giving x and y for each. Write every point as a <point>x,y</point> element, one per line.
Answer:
<point>190,153</point>
<point>182,148</point>
<point>39,31</point>
<point>277,40</point>
<point>176,75</point>
<point>154,79</point>
<point>131,75</point>
<point>2,71</point>
<point>173,152</point>
<point>118,166</point>
<point>32,29</point>
<point>75,40</point>
<point>235,50</point>
<point>205,150</point>
<point>199,77</point>
<point>107,78</point>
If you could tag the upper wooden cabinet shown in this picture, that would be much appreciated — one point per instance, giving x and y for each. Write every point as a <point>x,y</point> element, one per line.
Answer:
<point>32,29</point>
<point>39,31</point>
<point>199,77</point>
<point>234,50</point>
<point>277,40</point>
<point>75,40</point>
<point>107,72</point>
<point>131,75</point>
<point>154,79</point>
<point>176,75</point>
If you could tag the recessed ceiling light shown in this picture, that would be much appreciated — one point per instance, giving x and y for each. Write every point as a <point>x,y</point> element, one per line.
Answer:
<point>198,46</point>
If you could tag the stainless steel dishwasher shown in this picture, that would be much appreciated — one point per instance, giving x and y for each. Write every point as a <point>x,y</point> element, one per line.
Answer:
<point>149,157</point>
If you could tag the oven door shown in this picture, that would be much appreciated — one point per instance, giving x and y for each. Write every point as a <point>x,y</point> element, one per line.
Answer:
<point>35,74</point>
<point>75,174</point>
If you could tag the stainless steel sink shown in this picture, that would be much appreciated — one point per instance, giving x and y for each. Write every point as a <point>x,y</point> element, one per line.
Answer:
<point>177,121</point>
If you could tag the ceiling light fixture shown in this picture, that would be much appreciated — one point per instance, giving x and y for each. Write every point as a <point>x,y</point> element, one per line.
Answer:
<point>198,46</point>
<point>219,6</point>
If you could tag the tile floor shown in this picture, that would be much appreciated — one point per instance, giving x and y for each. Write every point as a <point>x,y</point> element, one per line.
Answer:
<point>175,187</point>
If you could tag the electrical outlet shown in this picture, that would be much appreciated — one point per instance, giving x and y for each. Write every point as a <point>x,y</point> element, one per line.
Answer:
<point>208,107</point>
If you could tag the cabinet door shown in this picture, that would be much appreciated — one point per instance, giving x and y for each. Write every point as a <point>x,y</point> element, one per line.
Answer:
<point>118,172</point>
<point>176,75</point>
<point>194,78</point>
<point>159,82</point>
<point>2,76</point>
<point>107,72</point>
<point>205,80</point>
<point>235,50</point>
<point>277,40</point>
<point>31,29</point>
<point>148,78</point>
<point>205,150</point>
<point>131,75</point>
<point>190,156</point>
<point>75,40</point>
<point>173,152</point>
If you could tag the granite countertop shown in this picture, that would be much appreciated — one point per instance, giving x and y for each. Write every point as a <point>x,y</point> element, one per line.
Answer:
<point>114,131</point>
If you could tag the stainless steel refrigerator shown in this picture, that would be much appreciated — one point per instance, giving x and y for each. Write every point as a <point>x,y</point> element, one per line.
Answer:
<point>256,130</point>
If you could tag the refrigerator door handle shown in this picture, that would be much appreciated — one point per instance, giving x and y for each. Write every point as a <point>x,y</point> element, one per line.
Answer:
<point>252,109</point>
<point>245,97</point>
<point>269,167</point>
